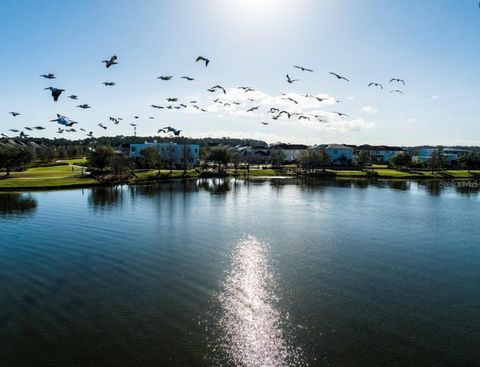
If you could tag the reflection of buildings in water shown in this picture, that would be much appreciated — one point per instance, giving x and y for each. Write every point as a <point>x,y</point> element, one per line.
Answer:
<point>252,326</point>
<point>17,203</point>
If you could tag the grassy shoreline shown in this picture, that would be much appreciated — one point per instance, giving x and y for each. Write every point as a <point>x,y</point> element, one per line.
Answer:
<point>70,176</point>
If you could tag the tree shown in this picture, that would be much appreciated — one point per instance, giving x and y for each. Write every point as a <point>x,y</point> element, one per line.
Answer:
<point>278,157</point>
<point>100,157</point>
<point>12,157</point>
<point>437,161</point>
<point>220,156</point>
<point>149,157</point>
<point>470,161</point>
<point>401,160</point>
<point>363,159</point>
<point>312,160</point>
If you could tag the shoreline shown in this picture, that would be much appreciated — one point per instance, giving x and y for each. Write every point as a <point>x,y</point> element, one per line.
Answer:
<point>250,178</point>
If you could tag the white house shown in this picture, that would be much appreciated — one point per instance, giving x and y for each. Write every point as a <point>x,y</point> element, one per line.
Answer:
<point>340,154</point>
<point>291,152</point>
<point>169,152</point>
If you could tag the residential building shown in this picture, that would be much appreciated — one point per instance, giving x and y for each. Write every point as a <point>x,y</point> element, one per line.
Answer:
<point>291,152</point>
<point>450,154</point>
<point>170,152</point>
<point>380,154</point>
<point>340,154</point>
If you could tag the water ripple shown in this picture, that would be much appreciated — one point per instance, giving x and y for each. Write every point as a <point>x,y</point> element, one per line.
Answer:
<point>252,326</point>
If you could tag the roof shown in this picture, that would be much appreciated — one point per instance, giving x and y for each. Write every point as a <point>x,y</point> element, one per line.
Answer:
<point>290,146</point>
<point>379,147</point>
<point>339,146</point>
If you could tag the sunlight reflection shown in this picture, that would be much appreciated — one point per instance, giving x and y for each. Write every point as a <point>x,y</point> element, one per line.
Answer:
<point>251,322</point>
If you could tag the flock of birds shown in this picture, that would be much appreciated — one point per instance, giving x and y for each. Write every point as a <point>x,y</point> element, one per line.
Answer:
<point>67,125</point>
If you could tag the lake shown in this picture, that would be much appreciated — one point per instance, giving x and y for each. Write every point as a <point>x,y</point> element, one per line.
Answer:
<point>265,273</point>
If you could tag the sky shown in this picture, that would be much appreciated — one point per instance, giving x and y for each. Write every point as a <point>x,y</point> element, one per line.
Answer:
<point>431,44</point>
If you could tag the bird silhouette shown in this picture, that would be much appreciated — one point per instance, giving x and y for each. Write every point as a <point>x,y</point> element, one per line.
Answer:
<point>102,126</point>
<point>338,76</point>
<point>169,129</point>
<point>172,99</point>
<point>48,76</point>
<point>303,68</point>
<point>111,61</point>
<point>84,106</point>
<point>201,58</point>
<point>291,99</point>
<point>396,91</point>
<point>253,109</point>
<point>39,128</point>
<point>108,84</point>
<point>73,96</point>
<point>14,114</point>
<point>55,92</point>
<point>165,77</point>
<point>215,87</point>
<point>375,85</point>
<point>397,80</point>
<point>187,78</point>
<point>290,81</point>
<point>264,123</point>
<point>340,113</point>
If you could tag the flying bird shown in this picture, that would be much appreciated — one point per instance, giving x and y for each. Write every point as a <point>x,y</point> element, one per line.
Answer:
<point>111,61</point>
<point>291,99</point>
<point>338,76</point>
<point>201,58</point>
<point>253,109</point>
<point>375,85</point>
<point>289,80</point>
<point>73,96</point>
<point>55,92</point>
<point>303,68</point>
<point>169,129</point>
<point>264,123</point>
<point>215,87</point>
<point>340,113</point>
<point>187,78</point>
<point>397,80</point>
<point>102,126</point>
<point>166,77</point>
<point>39,128</point>
<point>14,130</point>
<point>108,84</point>
<point>397,91</point>
<point>48,76</point>
<point>28,128</point>
<point>84,106</point>
<point>14,113</point>
<point>172,99</point>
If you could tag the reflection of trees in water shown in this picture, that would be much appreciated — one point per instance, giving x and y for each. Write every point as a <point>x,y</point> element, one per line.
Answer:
<point>399,185</point>
<point>153,190</point>
<point>215,185</point>
<point>17,203</point>
<point>467,188</point>
<point>434,188</point>
<point>105,197</point>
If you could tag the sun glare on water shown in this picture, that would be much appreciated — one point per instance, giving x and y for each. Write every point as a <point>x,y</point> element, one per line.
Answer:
<point>251,323</point>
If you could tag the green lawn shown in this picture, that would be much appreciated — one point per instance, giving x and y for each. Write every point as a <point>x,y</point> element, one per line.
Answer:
<point>45,177</point>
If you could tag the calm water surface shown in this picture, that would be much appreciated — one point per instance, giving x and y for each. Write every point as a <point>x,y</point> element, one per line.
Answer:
<point>273,273</point>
